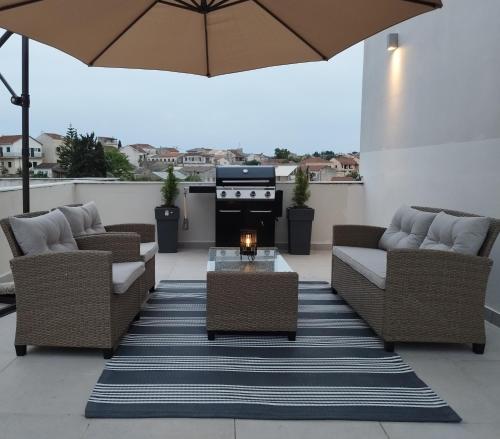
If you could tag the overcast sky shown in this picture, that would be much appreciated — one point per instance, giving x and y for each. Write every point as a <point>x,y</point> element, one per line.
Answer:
<point>304,107</point>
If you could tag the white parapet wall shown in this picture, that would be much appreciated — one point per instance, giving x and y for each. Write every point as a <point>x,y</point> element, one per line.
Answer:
<point>122,202</point>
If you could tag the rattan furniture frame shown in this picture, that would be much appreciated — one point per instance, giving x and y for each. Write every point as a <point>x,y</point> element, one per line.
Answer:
<point>67,300</point>
<point>254,302</point>
<point>430,296</point>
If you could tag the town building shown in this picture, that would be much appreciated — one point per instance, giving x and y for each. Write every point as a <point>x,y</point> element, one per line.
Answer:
<point>345,164</point>
<point>138,153</point>
<point>11,154</point>
<point>50,142</point>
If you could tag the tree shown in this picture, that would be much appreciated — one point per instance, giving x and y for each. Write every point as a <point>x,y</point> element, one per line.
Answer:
<point>281,153</point>
<point>81,155</point>
<point>301,192</point>
<point>119,144</point>
<point>117,164</point>
<point>355,175</point>
<point>193,178</point>
<point>169,189</point>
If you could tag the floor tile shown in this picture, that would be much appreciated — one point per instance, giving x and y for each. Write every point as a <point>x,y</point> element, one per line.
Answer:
<point>42,426</point>
<point>249,429</point>
<point>442,431</point>
<point>160,429</point>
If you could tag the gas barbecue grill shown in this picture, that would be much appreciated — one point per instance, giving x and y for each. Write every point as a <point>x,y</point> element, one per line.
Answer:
<point>246,198</point>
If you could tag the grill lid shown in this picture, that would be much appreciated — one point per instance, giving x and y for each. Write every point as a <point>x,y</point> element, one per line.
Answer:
<point>246,175</point>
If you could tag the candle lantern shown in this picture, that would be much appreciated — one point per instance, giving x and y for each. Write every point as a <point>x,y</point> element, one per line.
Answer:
<point>248,243</point>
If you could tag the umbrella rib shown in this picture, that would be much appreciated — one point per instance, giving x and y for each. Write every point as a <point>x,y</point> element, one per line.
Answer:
<point>123,32</point>
<point>18,5</point>
<point>300,37</point>
<point>207,56</point>
<point>180,4</point>
<point>429,3</point>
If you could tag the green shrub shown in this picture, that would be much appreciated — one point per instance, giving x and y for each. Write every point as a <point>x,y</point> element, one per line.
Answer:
<point>169,189</point>
<point>301,192</point>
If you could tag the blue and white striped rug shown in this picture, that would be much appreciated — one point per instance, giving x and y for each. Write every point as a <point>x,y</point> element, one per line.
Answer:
<point>336,369</point>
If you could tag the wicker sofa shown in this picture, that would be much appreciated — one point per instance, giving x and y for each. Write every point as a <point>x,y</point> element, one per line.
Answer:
<point>428,296</point>
<point>69,299</point>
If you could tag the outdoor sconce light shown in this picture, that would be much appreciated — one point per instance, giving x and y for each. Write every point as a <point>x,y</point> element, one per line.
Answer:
<point>248,243</point>
<point>392,42</point>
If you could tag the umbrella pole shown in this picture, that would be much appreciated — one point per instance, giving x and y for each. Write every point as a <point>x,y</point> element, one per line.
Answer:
<point>25,100</point>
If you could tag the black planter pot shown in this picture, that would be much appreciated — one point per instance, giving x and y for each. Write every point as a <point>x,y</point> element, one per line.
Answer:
<point>300,221</point>
<point>167,223</point>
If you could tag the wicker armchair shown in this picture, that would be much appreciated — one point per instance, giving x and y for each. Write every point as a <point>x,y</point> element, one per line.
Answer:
<point>67,299</point>
<point>430,296</point>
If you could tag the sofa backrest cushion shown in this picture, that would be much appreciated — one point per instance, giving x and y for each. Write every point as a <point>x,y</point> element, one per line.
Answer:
<point>408,229</point>
<point>456,234</point>
<point>84,220</point>
<point>43,234</point>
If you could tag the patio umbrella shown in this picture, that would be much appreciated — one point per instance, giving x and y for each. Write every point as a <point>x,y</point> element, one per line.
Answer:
<point>203,37</point>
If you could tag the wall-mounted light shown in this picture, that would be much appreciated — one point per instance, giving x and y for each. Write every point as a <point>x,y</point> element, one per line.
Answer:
<point>392,42</point>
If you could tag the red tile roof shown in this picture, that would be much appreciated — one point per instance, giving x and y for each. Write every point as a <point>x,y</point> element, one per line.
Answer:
<point>9,140</point>
<point>344,160</point>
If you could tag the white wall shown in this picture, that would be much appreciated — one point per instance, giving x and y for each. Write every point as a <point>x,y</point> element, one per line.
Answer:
<point>430,130</point>
<point>118,202</point>
<point>131,202</point>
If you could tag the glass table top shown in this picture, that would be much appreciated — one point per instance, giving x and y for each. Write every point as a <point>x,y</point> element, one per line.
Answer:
<point>228,259</point>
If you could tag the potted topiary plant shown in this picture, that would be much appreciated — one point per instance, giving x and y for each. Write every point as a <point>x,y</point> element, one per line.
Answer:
<point>300,216</point>
<point>167,215</point>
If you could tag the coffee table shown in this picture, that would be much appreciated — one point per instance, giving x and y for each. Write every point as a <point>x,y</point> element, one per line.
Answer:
<point>259,296</point>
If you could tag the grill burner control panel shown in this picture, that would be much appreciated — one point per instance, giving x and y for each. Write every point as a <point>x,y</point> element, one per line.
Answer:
<point>243,193</point>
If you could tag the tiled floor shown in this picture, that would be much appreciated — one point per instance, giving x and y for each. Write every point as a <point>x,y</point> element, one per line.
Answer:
<point>43,395</point>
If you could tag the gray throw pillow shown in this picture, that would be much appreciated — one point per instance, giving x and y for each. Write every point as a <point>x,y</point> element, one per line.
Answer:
<point>408,229</point>
<point>84,220</point>
<point>47,233</point>
<point>457,234</point>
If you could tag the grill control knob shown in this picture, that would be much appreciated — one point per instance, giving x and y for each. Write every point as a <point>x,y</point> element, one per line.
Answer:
<point>253,194</point>
<point>238,194</point>
<point>268,194</point>
<point>223,194</point>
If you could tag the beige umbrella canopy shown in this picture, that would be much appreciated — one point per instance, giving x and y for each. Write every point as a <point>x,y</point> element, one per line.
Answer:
<point>204,37</point>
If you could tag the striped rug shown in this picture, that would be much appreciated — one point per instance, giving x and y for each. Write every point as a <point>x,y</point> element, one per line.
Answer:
<point>336,369</point>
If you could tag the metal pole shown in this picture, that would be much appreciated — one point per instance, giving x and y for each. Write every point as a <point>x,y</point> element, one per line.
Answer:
<point>25,96</point>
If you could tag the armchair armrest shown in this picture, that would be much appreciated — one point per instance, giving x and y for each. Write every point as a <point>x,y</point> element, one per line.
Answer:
<point>72,279</point>
<point>125,247</point>
<point>357,235</point>
<point>146,231</point>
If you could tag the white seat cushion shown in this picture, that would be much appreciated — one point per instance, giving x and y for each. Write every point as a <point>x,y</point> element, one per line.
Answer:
<point>125,274</point>
<point>369,262</point>
<point>457,234</point>
<point>84,220</point>
<point>47,233</point>
<point>148,250</point>
<point>408,229</point>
